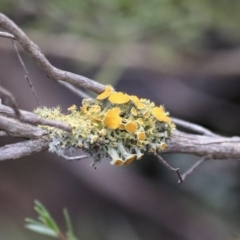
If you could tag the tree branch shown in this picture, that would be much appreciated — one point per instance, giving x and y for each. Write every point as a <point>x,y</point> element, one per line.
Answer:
<point>33,51</point>
<point>223,148</point>
<point>29,117</point>
<point>207,146</point>
<point>22,149</point>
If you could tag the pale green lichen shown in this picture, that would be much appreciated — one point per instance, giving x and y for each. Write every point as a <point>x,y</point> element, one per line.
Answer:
<point>113,125</point>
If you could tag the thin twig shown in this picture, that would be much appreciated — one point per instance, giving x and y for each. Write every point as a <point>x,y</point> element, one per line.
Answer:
<point>18,129</point>
<point>193,127</point>
<point>34,119</point>
<point>21,149</point>
<point>75,158</point>
<point>26,72</point>
<point>75,90</point>
<point>7,35</point>
<point>33,50</point>
<point>176,170</point>
<point>192,168</point>
<point>3,134</point>
<point>11,101</point>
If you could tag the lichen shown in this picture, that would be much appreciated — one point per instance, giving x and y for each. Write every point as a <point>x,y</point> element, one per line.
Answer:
<point>114,125</point>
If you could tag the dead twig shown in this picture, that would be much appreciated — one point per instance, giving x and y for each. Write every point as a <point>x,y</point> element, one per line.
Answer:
<point>33,51</point>
<point>22,149</point>
<point>176,170</point>
<point>11,101</point>
<point>74,89</point>
<point>75,158</point>
<point>193,127</point>
<point>192,168</point>
<point>34,119</point>
<point>7,35</point>
<point>26,73</point>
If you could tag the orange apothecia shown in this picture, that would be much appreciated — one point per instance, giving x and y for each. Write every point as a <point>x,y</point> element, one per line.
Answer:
<point>115,125</point>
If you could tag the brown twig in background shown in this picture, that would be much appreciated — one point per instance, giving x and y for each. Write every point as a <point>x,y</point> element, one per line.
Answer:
<point>34,119</point>
<point>33,50</point>
<point>22,149</point>
<point>176,170</point>
<point>193,167</point>
<point>75,90</point>
<point>193,127</point>
<point>7,35</point>
<point>11,101</point>
<point>26,73</point>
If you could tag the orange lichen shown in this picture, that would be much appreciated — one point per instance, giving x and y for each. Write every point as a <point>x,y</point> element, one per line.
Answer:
<point>140,121</point>
<point>141,136</point>
<point>118,98</point>
<point>112,119</point>
<point>131,127</point>
<point>160,114</point>
<point>163,146</point>
<point>72,108</point>
<point>118,162</point>
<point>130,159</point>
<point>135,99</point>
<point>140,105</point>
<point>106,93</point>
<point>134,111</point>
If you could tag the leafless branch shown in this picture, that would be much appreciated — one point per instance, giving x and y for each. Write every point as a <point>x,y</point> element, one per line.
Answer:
<point>176,170</point>
<point>22,149</point>
<point>7,35</point>
<point>193,167</point>
<point>17,129</point>
<point>193,127</point>
<point>75,158</point>
<point>214,147</point>
<point>207,144</point>
<point>26,72</point>
<point>34,119</point>
<point>11,101</point>
<point>74,89</point>
<point>34,51</point>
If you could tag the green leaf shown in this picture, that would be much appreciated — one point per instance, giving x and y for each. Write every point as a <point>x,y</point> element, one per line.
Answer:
<point>42,229</point>
<point>45,217</point>
<point>69,233</point>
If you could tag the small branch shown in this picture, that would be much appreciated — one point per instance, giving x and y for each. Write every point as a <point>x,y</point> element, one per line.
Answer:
<point>75,158</point>
<point>17,129</point>
<point>216,147</point>
<point>22,149</point>
<point>7,35</point>
<point>3,134</point>
<point>176,170</point>
<point>33,51</point>
<point>74,89</point>
<point>11,101</point>
<point>26,73</point>
<point>193,127</point>
<point>192,168</point>
<point>34,119</point>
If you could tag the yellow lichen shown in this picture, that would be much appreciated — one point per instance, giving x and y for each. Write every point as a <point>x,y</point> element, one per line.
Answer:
<point>131,127</point>
<point>112,119</point>
<point>118,98</point>
<point>160,114</point>
<point>106,93</point>
<point>113,125</point>
<point>141,136</point>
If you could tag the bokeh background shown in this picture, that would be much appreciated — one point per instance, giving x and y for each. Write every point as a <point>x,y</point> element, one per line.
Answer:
<point>183,54</point>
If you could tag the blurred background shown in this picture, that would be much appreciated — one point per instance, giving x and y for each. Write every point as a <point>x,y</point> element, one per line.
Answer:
<point>183,54</point>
